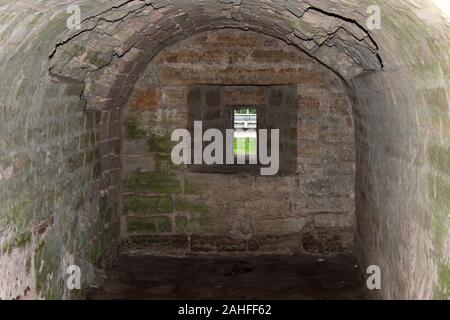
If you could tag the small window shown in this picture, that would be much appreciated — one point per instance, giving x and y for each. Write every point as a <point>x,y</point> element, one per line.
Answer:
<point>245,142</point>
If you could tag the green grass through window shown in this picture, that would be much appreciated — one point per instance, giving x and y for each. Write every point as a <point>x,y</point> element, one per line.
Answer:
<point>249,147</point>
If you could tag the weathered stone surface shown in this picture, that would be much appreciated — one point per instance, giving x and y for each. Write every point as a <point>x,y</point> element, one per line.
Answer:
<point>216,244</point>
<point>259,214</point>
<point>148,225</point>
<point>287,243</point>
<point>327,220</point>
<point>401,120</point>
<point>328,241</point>
<point>156,243</point>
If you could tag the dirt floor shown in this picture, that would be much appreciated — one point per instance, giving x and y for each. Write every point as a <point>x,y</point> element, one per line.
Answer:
<point>221,277</point>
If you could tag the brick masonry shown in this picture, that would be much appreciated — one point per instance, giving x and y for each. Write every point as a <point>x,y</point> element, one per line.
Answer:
<point>397,77</point>
<point>310,209</point>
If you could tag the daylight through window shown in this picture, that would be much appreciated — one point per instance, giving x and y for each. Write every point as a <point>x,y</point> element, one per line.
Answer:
<point>245,125</point>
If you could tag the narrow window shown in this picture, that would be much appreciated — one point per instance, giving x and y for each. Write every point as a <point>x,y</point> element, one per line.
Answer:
<point>245,125</point>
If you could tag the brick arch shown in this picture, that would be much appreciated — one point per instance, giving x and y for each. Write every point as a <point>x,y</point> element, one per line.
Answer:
<point>380,73</point>
<point>402,125</point>
<point>114,46</point>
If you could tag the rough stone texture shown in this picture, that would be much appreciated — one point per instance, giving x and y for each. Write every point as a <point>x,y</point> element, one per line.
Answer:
<point>241,212</point>
<point>312,29</point>
<point>52,213</point>
<point>403,180</point>
<point>402,121</point>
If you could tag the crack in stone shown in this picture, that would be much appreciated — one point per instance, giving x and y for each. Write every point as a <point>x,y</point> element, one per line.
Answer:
<point>357,48</point>
<point>354,22</point>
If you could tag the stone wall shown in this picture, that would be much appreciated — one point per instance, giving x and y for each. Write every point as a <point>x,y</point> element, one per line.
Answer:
<point>402,120</point>
<point>403,182</point>
<point>52,211</point>
<point>168,208</point>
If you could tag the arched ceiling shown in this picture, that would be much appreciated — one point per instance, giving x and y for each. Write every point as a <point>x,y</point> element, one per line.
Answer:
<point>402,109</point>
<point>141,28</point>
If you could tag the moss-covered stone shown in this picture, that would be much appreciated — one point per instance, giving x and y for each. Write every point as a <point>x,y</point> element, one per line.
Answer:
<point>164,163</point>
<point>442,193</point>
<point>182,224</point>
<point>439,157</point>
<point>196,216</point>
<point>160,144</point>
<point>182,204</point>
<point>131,128</point>
<point>161,147</point>
<point>195,223</point>
<point>18,215</point>
<point>155,224</point>
<point>148,205</point>
<point>3,219</point>
<point>191,187</point>
<point>158,182</point>
<point>443,290</point>
<point>439,195</point>
<point>47,263</point>
<point>20,241</point>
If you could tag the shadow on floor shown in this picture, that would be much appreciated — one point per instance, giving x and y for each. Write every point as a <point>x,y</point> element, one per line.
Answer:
<point>224,277</point>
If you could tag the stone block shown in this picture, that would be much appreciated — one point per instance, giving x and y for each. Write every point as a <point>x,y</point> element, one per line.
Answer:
<point>149,225</point>
<point>279,226</point>
<point>328,241</point>
<point>156,243</point>
<point>145,100</point>
<point>329,220</point>
<point>141,205</point>
<point>158,182</point>
<point>287,243</point>
<point>216,243</point>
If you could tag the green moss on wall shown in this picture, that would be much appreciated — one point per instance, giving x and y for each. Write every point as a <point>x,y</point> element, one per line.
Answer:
<point>148,205</point>
<point>157,182</point>
<point>195,223</point>
<point>161,147</point>
<point>160,143</point>
<point>182,204</point>
<point>197,218</point>
<point>149,225</point>
<point>164,163</point>
<point>3,221</point>
<point>19,214</point>
<point>439,157</point>
<point>439,184</point>
<point>191,187</point>
<point>20,241</point>
<point>442,292</point>
<point>47,264</point>
<point>131,128</point>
